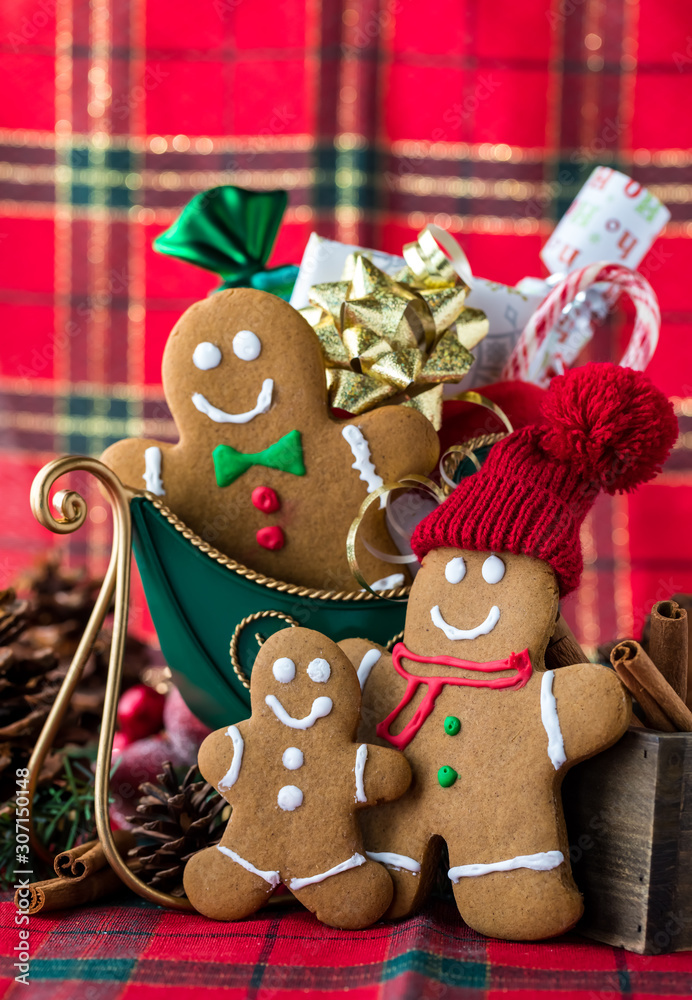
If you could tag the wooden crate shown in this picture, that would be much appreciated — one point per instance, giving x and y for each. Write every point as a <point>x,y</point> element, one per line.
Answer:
<point>629,818</point>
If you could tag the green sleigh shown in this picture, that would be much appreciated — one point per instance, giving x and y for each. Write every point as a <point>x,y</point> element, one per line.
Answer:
<point>211,613</point>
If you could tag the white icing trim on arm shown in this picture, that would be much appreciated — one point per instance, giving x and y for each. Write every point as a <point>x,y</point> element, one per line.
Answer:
<point>544,861</point>
<point>463,633</point>
<point>396,861</point>
<point>360,450</point>
<point>231,776</point>
<point>300,883</point>
<point>361,757</point>
<point>152,471</point>
<point>366,664</point>
<point>388,582</point>
<point>551,722</point>
<point>264,401</point>
<point>272,878</point>
<point>320,708</point>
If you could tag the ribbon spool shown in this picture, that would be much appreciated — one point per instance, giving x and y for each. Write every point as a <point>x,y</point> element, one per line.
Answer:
<point>530,351</point>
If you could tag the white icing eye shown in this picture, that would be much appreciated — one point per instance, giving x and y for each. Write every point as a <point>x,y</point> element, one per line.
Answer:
<point>246,345</point>
<point>284,670</point>
<point>319,670</point>
<point>206,356</point>
<point>292,758</point>
<point>493,569</point>
<point>455,570</point>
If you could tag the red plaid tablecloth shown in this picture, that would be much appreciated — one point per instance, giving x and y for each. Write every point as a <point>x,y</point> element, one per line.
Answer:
<point>378,116</point>
<point>132,951</point>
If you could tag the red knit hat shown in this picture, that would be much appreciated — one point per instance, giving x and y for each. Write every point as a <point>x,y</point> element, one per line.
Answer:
<point>602,428</point>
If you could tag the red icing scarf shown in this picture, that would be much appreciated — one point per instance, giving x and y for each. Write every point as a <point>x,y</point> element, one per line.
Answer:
<point>516,661</point>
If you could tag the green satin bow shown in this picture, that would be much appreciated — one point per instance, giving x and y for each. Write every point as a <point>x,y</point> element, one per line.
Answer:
<point>231,232</point>
<point>285,454</point>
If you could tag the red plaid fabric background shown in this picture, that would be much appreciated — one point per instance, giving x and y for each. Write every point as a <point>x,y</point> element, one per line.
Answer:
<point>132,951</point>
<point>377,116</point>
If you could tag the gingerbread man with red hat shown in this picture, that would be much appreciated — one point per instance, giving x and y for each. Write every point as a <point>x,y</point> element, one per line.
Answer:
<point>489,732</point>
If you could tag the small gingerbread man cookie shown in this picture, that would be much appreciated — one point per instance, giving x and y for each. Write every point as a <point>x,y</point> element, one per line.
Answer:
<point>295,777</point>
<point>488,731</point>
<point>262,470</point>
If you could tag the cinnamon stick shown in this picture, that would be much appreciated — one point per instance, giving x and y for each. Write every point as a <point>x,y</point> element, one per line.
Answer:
<point>685,601</point>
<point>563,649</point>
<point>648,685</point>
<point>62,893</point>
<point>80,862</point>
<point>668,644</point>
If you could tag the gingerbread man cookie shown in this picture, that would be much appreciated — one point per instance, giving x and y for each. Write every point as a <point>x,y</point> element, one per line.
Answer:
<point>295,778</point>
<point>262,471</point>
<point>488,731</point>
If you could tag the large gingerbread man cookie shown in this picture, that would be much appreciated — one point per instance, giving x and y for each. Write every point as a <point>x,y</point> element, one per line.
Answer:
<point>489,734</point>
<point>262,471</point>
<point>488,731</point>
<point>295,778</point>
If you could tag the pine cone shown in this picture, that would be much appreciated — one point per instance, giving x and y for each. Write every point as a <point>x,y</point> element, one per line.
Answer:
<point>178,819</point>
<point>38,637</point>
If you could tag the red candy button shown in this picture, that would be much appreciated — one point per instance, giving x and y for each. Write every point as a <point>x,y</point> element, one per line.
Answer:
<point>265,499</point>
<point>270,538</point>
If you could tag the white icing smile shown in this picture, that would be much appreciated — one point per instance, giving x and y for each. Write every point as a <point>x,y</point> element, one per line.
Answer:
<point>462,633</point>
<point>320,708</point>
<point>264,401</point>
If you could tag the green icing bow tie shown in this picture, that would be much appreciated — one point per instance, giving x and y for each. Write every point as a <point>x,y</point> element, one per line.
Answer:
<point>285,454</point>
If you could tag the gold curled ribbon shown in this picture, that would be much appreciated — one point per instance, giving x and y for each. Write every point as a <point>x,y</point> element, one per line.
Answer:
<point>421,482</point>
<point>398,339</point>
<point>468,450</point>
<point>471,396</point>
<point>456,449</point>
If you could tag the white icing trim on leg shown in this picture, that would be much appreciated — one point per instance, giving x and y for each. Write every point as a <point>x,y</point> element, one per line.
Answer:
<point>360,449</point>
<point>396,861</point>
<point>366,664</point>
<point>544,861</point>
<point>361,757</point>
<point>551,722</point>
<point>152,471</point>
<point>231,776</point>
<point>300,883</point>
<point>272,878</point>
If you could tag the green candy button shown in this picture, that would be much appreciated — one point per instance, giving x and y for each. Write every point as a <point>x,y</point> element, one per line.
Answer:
<point>447,776</point>
<point>452,725</point>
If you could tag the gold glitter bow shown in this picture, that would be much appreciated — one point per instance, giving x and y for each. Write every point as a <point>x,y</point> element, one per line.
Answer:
<point>396,339</point>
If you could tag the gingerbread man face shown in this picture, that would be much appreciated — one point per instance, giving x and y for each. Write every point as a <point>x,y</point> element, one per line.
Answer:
<point>481,605</point>
<point>301,695</point>
<point>262,471</point>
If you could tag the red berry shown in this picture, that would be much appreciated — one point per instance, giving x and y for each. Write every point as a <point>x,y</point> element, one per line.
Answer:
<point>183,729</point>
<point>140,712</point>
<point>120,741</point>
<point>265,499</point>
<point>271,538</point>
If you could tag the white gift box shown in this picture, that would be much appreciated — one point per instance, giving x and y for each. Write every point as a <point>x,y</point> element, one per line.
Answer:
<point>613,218</point>
<point>508,309</point>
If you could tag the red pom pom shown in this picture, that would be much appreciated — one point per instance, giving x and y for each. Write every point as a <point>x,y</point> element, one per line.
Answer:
<point>610,424</point>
